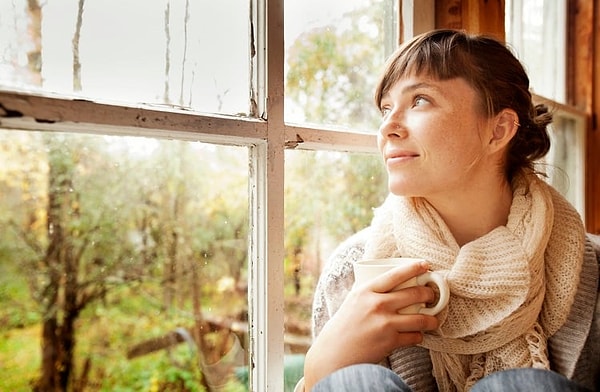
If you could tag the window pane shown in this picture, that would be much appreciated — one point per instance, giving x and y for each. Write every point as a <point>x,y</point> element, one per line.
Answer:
<point>328,197</point>
<point>132,249</point>
<point>334,54</point>
<point>191,54</point>
<point>565,161</point>
<point>536,29</point>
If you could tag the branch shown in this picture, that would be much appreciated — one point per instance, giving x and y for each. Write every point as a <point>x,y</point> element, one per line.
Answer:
<point>30,242</point>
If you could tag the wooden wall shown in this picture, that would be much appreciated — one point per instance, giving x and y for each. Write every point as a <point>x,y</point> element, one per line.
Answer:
<point>583,70</point>
<point>593,140</point>
<point>477,16</point>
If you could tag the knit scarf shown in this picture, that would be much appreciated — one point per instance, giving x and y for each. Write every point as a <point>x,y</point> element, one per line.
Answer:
<point>511,289</point>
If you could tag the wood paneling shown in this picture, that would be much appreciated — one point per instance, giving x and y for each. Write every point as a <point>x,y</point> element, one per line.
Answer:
<point>583,92</point>
<point>474,16</point>
<point>593,139</point>
<point>448,14</point>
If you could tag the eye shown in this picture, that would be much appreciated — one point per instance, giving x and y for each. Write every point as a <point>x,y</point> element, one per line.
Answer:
<point>420,100</point>
<point>385,110</point>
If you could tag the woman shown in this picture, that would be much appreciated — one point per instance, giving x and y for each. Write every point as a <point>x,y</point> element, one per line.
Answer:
<point>458,137</point>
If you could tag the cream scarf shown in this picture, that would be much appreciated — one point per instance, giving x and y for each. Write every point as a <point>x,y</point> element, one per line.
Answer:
<point>511,289</point>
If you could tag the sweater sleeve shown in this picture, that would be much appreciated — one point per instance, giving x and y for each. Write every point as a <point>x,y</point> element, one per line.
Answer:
<point>336,280</point>
<point>575,348</point>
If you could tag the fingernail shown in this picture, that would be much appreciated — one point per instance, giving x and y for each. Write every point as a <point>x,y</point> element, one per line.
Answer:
<point>425,264</point>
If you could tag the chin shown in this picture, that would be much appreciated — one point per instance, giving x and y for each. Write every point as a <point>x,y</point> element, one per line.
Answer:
<point>402,191</point>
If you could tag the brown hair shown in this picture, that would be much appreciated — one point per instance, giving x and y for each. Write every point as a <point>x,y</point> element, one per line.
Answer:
<point>491,69</point>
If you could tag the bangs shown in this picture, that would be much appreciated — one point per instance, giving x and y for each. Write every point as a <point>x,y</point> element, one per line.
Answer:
<point>441,56</point>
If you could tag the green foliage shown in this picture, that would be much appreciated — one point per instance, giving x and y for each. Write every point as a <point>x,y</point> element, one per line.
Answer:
<point>19,358</point>
<point>333,70</point>
<point>329,196</point>
<point>134,219</point>
<point>16,308</point>
<point>184,377</point>
<point>332,75</point>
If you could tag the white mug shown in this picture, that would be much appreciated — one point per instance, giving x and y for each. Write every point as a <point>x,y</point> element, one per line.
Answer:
<point>367,269</point>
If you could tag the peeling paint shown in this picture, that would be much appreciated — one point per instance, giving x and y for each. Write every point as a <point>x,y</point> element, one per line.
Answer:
<point>4,112</point>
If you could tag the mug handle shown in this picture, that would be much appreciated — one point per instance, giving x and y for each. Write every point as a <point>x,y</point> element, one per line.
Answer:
<point>444,292</point>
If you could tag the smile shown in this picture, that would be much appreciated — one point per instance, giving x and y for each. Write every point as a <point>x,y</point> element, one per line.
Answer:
<point>400,159</point>
<point>395,157</point>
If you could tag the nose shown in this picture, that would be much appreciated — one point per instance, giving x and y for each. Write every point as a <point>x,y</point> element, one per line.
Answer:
<point>393,127</point>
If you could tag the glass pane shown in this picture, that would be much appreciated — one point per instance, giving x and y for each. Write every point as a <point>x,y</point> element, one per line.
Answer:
<point>564,163</point>
<point>127,258</point>
<point>192,54</point>
<point>328,197</point>
<point>335,52</point>
<point>536,29</point>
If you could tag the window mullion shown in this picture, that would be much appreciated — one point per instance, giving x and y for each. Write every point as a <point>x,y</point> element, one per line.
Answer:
<point>267,180</point>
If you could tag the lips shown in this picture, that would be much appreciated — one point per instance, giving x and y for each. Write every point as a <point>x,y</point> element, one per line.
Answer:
<point>400,156</point>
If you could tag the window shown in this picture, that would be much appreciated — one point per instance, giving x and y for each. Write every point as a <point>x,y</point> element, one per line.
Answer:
<point>150,240</point>
<point>537,31</point>
<point>98,50</point>
<point>181,181</point>
<point>177,215</point>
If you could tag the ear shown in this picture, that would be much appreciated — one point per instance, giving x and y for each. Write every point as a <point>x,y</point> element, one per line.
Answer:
<point>505,126</point>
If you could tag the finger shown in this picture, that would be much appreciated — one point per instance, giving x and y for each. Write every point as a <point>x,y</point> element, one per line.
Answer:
<point>398,275</point>
<point>408,296</point>
<point>415,323</point>
<point>405,339</point>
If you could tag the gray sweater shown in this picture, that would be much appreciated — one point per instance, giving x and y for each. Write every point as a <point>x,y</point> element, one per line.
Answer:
<point>574,350</point>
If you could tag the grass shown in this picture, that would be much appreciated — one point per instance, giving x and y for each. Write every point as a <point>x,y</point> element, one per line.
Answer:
<point>105,333</point>
<point>16,307</point>
<point>19,358</point>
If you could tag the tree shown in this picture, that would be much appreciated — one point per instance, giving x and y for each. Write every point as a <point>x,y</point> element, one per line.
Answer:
<point>60,261</point>
<point>331,78</point>
<point>333,69</point>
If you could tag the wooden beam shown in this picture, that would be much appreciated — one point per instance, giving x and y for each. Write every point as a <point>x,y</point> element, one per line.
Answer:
<point>592,218</point>
<point>484,17</point>
<point>416,16</point>
<point>448,14</point>
<point>580,54</point>
<point>474,16</point>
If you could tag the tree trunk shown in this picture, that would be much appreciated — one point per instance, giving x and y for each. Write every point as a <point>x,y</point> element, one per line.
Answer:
<point>58,333</point>
<point>50,351</point>
<point>70,314</point>
<point>34,56</point>
<point>75,47</point>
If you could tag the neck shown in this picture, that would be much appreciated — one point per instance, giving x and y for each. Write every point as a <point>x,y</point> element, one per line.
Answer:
<point>470,214</point>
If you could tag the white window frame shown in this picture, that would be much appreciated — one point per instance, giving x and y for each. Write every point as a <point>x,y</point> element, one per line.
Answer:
<point>580,119</point>
<point>267,138</point>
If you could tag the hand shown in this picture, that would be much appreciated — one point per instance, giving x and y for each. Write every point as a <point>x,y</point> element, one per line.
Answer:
<point>367,326</point>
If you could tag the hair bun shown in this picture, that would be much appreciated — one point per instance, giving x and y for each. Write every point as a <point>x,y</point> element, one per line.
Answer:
<point>542,116</point>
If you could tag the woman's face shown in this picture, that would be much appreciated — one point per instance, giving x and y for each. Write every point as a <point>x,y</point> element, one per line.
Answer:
<point>433,137</point>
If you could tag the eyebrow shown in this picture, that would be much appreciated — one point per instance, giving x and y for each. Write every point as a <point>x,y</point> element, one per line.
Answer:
<point>418,85</point>
<point>412,87</point>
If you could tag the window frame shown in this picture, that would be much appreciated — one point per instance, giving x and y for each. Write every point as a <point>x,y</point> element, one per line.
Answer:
<point>266,137</point>
<point>580,120</point>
